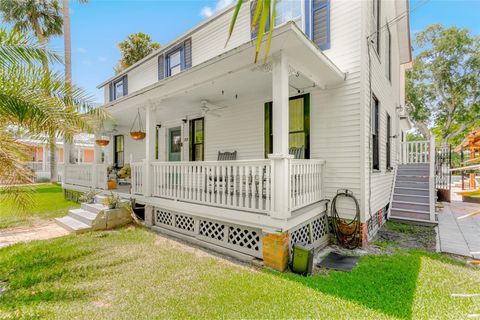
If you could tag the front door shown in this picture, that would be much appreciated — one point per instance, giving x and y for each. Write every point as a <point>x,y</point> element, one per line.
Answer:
<point>175,144</point>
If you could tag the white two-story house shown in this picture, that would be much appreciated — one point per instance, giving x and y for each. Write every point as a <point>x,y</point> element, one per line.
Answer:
<point>237,152</point>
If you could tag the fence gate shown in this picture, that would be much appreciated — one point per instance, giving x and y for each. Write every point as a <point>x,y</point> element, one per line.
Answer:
<point>443,175</point>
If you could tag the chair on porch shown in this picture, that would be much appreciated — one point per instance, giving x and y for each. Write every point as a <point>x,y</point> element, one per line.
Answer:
<point>297,152</point>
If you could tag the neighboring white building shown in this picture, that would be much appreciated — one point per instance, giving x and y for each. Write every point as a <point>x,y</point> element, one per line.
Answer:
<point>332,65</point>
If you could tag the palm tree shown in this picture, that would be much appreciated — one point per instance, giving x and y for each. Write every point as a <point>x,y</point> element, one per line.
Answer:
<point>264,11</point>
<point>34,101</point>
<point>43,18</point>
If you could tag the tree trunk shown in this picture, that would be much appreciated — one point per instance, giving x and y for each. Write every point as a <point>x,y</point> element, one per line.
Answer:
<point>67,41</point>
<point>53,158</point>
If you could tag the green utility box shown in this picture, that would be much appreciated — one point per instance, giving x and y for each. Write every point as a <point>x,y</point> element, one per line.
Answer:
<point>302,260</point>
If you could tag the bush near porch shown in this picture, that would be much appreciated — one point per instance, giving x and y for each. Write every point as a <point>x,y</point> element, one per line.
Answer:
<point>49,203</point>
<point>135,274</point>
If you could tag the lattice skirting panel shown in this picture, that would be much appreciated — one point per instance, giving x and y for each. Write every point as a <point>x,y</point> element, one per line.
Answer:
<point>239,238</point>
<point>313,231</point>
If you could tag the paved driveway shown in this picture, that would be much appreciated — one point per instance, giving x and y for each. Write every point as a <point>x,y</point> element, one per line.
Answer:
<point>24,234</point>
<point>458,232</point>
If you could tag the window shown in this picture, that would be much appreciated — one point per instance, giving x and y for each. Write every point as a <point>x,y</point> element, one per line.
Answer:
<point>118,88</point>
<point>288,10</point>
<point>388,54</point>
<point>388,146</point>
<point>174,62</point>
<point>299,127</point>
<point>321,23</point>
<point>375,132</point>
<point>197,139</point>
<point>119,151</point>
<point>376,25</point>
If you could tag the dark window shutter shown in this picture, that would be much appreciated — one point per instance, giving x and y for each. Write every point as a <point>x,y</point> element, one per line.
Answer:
<point>254,33</point>
<point>110,91</point>
<point>125,85</point>
<point>321,23</point>
<point>187,52</point>
<point>161,67</point>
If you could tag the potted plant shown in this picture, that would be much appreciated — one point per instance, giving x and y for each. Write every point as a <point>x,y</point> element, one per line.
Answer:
<point>89,196</point>
<point>113,201</point>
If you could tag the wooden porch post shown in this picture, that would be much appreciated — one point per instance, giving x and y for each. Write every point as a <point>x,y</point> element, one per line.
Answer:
<point>97,154</point>
<point>150,130</point>
<point>280,156</point>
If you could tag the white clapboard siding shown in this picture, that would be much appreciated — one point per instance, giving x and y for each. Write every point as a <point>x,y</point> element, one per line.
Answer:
<point>388,94</point>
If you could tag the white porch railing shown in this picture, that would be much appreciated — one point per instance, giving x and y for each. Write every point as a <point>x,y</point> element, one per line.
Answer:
<point>306,182</point>
<point>245,185</point>
<point>415,151</point>
<point>137,173</point>
<point>83,175</point>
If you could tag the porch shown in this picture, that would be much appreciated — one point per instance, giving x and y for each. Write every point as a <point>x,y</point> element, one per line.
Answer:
<point>272,185</point>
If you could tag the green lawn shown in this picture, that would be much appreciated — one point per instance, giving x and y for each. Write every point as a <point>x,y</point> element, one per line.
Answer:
<point>49,203</point>
<point>135,274</point>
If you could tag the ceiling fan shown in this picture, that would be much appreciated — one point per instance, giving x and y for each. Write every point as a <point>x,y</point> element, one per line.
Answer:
<point>210,108</point>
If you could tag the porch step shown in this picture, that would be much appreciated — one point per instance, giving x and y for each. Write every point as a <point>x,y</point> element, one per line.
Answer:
<point>409,205</point>
<point>412,198</point>
<point>412,184</point>
<point>414,221</point>
<point>72,224</point>
<point>412,191</point>
<point>407,177</point>
<point>414,172</point>
<point>83,216</point>
<point>410,214</point>
<point>414,165</point>
<point>93,207</point>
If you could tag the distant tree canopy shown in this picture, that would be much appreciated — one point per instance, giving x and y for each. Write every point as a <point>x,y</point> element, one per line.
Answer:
<point>443,87</point>
<point>136,47</point>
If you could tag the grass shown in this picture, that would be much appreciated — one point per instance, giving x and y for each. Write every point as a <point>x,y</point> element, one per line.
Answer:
<point>135,274</point>
<point>49,204</point>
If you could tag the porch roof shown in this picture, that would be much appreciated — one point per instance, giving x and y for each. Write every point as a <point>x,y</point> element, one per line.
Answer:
<point>233,74</point>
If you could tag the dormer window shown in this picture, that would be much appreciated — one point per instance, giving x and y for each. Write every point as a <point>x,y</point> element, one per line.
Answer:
<point>174,63</point>
<point>118,88</point>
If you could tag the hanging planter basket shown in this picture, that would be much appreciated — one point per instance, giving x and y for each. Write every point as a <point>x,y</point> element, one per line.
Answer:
<point>102,142</point>
<point>137,134</point>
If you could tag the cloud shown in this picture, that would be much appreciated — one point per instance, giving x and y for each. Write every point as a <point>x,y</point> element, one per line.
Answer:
<point>208,11</point>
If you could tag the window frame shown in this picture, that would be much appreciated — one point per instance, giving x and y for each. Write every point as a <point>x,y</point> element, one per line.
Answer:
<point>375,114</point>
<point>115,83</point>
<point>268,133</point>
<point>192,139</point>
<point>116,153</point>
<point>168,56</point>
<point>388,54</point>
<point>388,144</point>
<point>376,6</point>
<point>323,4</point>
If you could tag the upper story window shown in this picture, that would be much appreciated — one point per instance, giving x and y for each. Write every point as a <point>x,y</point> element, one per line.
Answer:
<point>375,25</point>
<point>388,54</point>
<point>118,88</point>
<point>288,10</point>
<point>176,60</point>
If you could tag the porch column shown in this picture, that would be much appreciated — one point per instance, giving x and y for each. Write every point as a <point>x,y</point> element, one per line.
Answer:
<point>67,147</point>
<point>280,157</point>
<point>149,149</point>
<point>97,156</point>
<point>44,158</point>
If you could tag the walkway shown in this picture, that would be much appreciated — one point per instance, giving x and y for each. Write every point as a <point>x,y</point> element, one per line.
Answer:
<point>25,234</point>
<point>458,233</point>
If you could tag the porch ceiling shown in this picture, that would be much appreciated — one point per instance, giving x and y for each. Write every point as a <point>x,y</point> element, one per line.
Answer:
<point>231,78</point>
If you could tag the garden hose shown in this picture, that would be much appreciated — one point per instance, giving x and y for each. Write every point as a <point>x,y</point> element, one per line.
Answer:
<point>346,233</point>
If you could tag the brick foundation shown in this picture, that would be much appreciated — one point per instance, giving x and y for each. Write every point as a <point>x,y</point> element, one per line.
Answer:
<point>364,234</point>
<point>275,250</point>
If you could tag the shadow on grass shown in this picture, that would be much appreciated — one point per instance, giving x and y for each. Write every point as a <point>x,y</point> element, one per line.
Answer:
<point>36,273</point>
<point>385,283</point>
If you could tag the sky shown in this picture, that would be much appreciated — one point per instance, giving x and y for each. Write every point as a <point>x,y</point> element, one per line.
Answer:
<point>100,24</point>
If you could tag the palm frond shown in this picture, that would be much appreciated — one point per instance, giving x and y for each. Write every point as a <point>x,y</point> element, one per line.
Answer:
<point>19,48</point>
<point>234,19</point>
<point>262,26</point>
